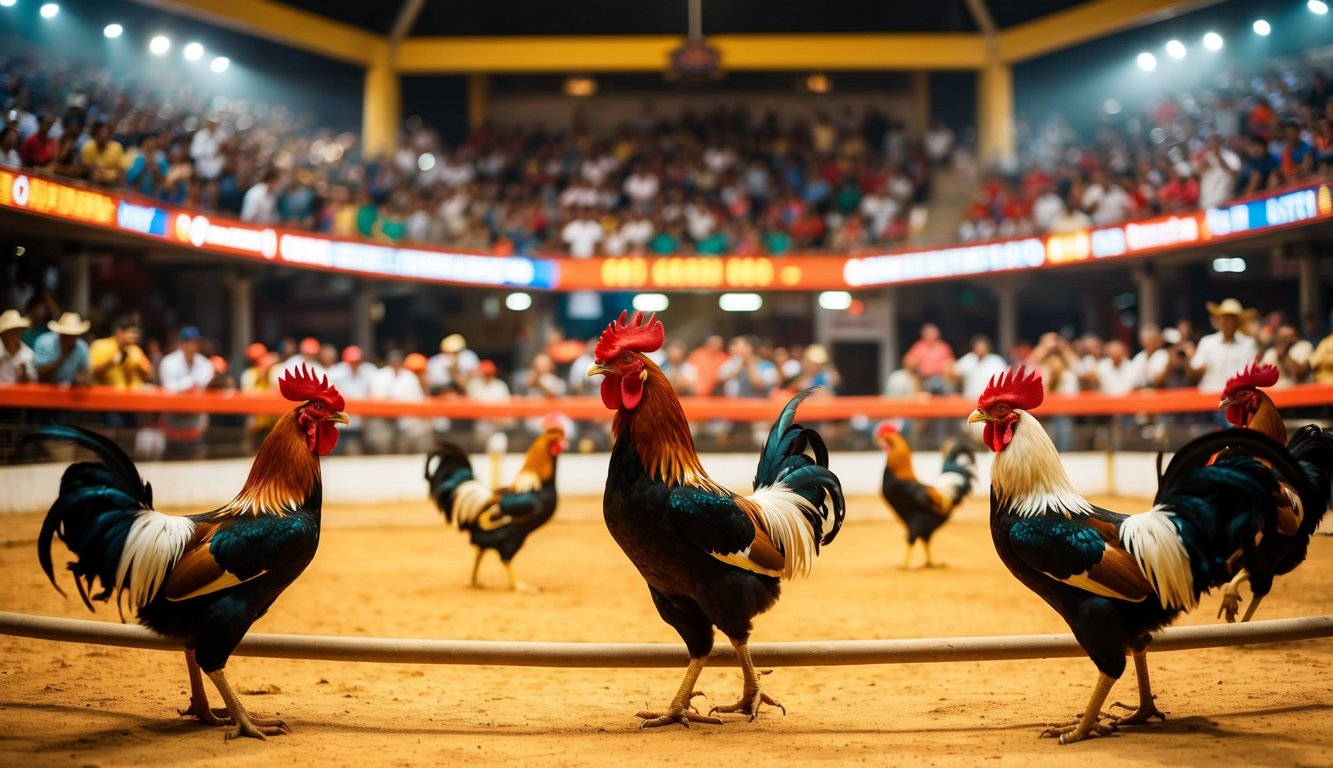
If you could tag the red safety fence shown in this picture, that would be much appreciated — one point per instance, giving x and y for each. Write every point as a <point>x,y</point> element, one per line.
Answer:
<point>107,399</point>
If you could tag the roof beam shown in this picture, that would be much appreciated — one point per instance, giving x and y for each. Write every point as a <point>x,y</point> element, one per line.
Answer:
<point>1086,22</point>
<point>981,15</point>
<point>640,53</point>
<point>405,20</point>
<point>282,24</point>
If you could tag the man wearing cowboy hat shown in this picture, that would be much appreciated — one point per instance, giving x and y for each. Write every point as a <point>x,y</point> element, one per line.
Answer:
<point>1219,355</point>
<point>16,358</point>
<point>61,356</point>
<point>450,369</point>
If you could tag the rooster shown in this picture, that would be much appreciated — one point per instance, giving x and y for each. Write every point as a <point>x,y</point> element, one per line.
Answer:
<point>923,508</point>
<point>500,520</point>
<point>1284,547</point>
<point>202,579</point>
<point>1116,578</point>
<point>712,558</point>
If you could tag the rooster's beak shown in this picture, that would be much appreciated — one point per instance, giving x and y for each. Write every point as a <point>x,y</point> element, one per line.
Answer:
<point>976,416</point>
<point>597,369</point>
<point>1226,401</point>
<point>339,418</point>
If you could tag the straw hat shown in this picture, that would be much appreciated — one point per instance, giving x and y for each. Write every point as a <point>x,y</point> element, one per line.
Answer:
<point>11,319</point>
<point>70,324</point>
<point>1233,307</point>
<point>817,354</point>
<point>453,343</point>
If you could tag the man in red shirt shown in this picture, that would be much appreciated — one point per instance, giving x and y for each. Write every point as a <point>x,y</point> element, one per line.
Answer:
<point>39,149</point>
<point>931,360</point>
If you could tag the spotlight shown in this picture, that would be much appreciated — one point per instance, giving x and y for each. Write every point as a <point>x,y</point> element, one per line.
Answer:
<point>113,31</point>
<point>518,302</point>
<point>49,10</point>
<point>1147,61</point>
<point>220,64</point>
<point>1262,28</point>
<point>740,302</point>
<point>835,301</point>
<point>426,161</point>
<point>1212,41</point>
<point>8,3</point>
<point>193,51</point>
<point>1317,6</point>
<point>160,44</point>
<point>651,302</point>
<point>1175,49</point>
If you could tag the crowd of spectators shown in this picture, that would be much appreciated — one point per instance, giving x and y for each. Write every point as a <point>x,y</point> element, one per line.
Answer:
<point>1182,152</point>
<point>728,181</point>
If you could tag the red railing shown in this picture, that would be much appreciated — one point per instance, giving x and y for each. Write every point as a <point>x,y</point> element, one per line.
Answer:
<point>106,399</point>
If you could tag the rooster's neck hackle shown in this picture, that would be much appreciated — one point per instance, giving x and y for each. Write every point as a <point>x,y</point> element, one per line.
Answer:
<point>284,474</point>
<point>1028,478</point>
<point>1268,421</point>
<point>661,435</point>
<point>899,461</point>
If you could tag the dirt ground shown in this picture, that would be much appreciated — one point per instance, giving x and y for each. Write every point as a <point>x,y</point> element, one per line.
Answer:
<point>397,572</point>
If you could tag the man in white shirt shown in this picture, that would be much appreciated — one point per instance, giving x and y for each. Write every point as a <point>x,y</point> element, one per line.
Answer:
<point>1217,167</point>
<point>976,368</point>
<point>353,377</point>
<point>1107,202</point>
<point>260,204</point>
<point>1116,375</point>
<point>1047,208</point>
<point>487,387</point>
<point>449,370</point>
<point>1290,354</point>
<point>307,354</point>
<point>206,149</point>
<point>17,362</point>
<point>1151,361</point>
<point>1220,355</point>
<point>582,234</point>
<point>186,370</point>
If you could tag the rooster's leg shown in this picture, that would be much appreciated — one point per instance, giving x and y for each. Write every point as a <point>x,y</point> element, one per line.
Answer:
<point>1090,722</point>
<point>1147,709</point>
<point>255,728</point>
<point>752,696</point>
<point>515,584</point>
<point>476,568</point>
<point>1231,597</point>
<point>907,559</point>
<point>1254,604</point>
<point>930,563</point>
<point>680,709</point>
<point>199,697</point>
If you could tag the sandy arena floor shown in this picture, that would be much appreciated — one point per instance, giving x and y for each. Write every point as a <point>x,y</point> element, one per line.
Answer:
<point>398,572</point>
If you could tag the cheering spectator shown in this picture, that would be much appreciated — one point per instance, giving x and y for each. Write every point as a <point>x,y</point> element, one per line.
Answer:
<point>1218,169</point>
<point>449,370</point>
<point>9,148</point>
<point>117,361</point>
<point>103,156</point>
<point>1219,355</point>
<point>39,149</point>
<point>1290,353</point>
<point>1115,374</point>
<point>931,360</point>
<point>678,370</point>
<point>746,374</point>
<point>260,205</point>
<point>147,174</point>
<point>977,367</point>
<point>1151,361</point>
<point>61,356</point>
<point>707,360</point>
<point>185,370</point>
<point>16,358</point>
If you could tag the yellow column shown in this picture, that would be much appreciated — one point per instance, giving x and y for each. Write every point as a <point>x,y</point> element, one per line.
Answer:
<point>478,99</point>
<point>382,106</point>
<point>995,113</point>
<point>921,113</point>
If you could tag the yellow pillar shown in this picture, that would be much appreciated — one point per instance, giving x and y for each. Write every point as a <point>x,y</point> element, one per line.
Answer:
<point>478,99</point>
<point>382,106</point>
<point>921,113</point>
<point>995,113</point>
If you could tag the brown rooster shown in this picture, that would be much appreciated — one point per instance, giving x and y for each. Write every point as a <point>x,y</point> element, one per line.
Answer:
<point>203,579</point>
<point>712,558</point>
<point>923,508</point>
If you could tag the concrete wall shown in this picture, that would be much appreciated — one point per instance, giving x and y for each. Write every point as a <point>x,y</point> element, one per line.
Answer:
<point>203,485</point>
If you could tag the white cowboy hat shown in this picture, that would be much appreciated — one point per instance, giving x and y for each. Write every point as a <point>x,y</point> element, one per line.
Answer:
<point>70,324</point>
<point>11,319</point>
<point>453,343</point>
<point>1229,306</point>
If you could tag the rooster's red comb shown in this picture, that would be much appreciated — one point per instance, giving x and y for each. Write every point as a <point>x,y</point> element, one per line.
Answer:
<point>300,384</point>
<point>1251,376</point>
<point>624,335</point>
<point>886,428</point>
<point>1019,388</point>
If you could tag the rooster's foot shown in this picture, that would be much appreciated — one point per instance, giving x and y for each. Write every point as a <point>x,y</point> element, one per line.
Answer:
<point>214,717</point>
<point>684,714</point>
<point>259,729</point>
<point>750,702</point>
<point>526,589</point>
<point>1230,605</point>
<point>1069,733</point>
<point>1145,712</point>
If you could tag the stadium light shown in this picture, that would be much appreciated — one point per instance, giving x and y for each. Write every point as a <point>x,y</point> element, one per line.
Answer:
<point>740,302</point>
<point>160,44</point>
<point>49,10</point>
<point>1262,28</point>
<point>220,64</point>
<point>651,302</point>
<point>113,31</point>
<point>426,161</point>
<point>8,3</point>
<point>835,301</point>
<point>193,51</point>
<point>1147,61</point>
<point>1317,6</point>
<point>517,302</point>
<point>1212,41</point>
<point>1175,49</point>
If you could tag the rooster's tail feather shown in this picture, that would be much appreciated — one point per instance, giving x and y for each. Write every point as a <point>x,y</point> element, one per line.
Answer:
<point>795,458</point>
